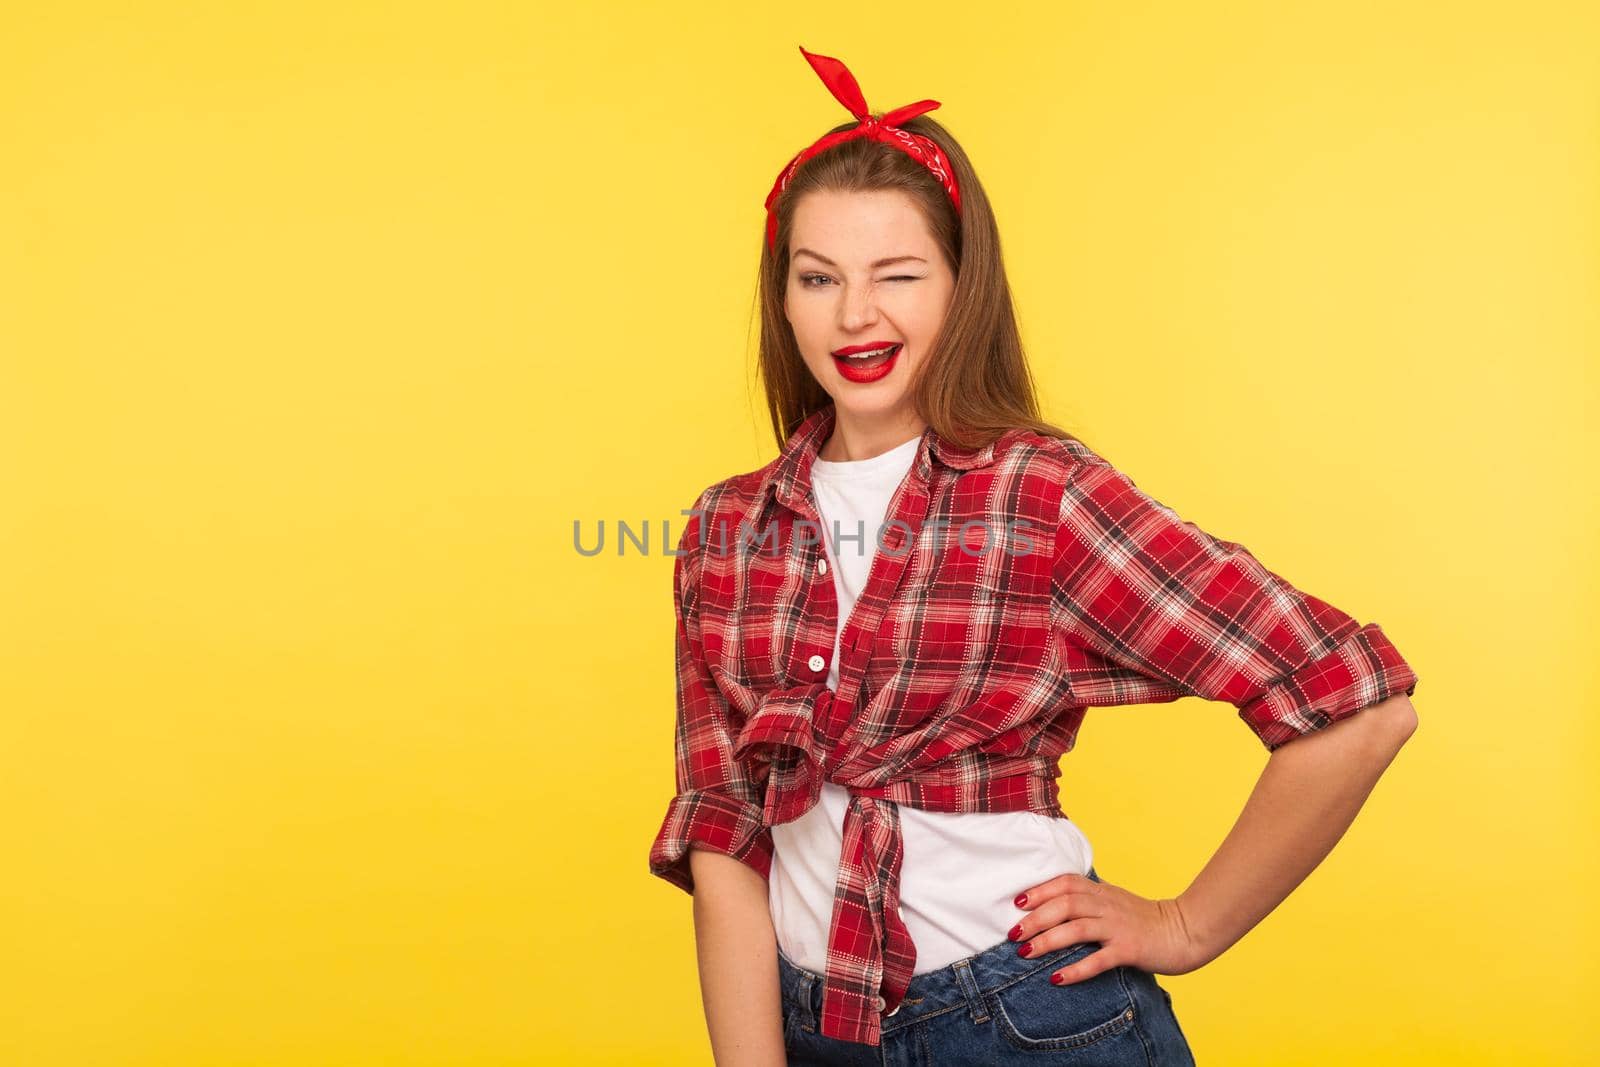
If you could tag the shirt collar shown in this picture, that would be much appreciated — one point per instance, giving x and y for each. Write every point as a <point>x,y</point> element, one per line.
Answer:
<point>790,476</point>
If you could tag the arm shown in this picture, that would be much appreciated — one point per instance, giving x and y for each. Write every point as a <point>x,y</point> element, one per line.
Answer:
<point>714,845</point>
<point>1152,608</point>
<point>738,957</point>
<point>1305,799</point>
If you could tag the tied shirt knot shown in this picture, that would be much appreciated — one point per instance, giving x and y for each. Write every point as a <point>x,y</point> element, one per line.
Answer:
<point>784,741</point>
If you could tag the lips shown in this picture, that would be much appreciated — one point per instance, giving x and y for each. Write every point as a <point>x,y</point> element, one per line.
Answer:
<point>856,365</point>
<point>870,346</point>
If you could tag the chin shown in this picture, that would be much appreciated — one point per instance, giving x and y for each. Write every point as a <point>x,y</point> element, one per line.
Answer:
<point>855,400</point>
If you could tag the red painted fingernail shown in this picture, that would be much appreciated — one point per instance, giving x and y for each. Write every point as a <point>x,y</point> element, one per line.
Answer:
<point>1022,900</point>
<point>1056,979</point>
<point>1025,950</point>
<point>1016,932</point>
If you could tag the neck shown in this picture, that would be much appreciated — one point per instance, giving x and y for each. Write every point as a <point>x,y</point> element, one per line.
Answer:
<point>857,438</point>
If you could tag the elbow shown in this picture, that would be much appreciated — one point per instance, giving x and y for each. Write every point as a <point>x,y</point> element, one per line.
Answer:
<point>1376,731</point>
<point>1394,719</point>
<point>1404,714</point>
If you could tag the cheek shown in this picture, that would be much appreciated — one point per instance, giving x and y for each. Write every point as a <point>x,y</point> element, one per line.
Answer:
<point>810,327</point>
<point>924,323</point>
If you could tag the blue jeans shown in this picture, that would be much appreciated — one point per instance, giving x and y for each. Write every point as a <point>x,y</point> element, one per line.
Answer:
<point>999,1008</point>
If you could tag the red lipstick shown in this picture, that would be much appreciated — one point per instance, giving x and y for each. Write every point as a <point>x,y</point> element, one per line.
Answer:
<point>859,368</point>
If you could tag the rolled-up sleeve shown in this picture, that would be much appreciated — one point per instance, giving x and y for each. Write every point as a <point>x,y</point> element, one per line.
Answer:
<point>1168,610</point>
<point>718,806</point>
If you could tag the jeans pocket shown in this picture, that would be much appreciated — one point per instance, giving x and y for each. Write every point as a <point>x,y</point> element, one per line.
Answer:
<point>1036,1015</point>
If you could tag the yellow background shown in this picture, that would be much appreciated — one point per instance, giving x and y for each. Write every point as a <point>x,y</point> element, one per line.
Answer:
<point>320,325</point>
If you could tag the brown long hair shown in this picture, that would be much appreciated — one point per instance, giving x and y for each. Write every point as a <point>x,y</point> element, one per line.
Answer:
<point>975,384</point>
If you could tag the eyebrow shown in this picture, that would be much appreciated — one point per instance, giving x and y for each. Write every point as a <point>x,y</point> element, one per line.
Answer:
<point>879,263</point>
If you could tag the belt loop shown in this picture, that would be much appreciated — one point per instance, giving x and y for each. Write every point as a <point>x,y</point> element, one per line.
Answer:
<point>969,986</point>
<point>808,1013</point>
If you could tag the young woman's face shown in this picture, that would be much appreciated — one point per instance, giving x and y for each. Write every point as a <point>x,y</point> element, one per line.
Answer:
<point>865,273</point>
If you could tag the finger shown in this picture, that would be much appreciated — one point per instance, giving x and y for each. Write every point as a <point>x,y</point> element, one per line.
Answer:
<point>1061,935</point>
<point>1097,962</point>
<point>1033,896</point>
<point>1072,904</point>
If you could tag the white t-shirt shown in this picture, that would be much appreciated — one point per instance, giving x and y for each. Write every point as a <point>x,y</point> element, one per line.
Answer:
<point>961,871</point>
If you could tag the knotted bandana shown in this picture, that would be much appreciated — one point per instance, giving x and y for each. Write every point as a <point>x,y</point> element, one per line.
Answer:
<point>842,84</point>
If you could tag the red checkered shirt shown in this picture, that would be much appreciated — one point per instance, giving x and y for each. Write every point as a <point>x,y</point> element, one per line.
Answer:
<point>1014,587</point>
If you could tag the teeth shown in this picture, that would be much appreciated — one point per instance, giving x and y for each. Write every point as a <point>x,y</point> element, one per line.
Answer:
<point>869,355</point>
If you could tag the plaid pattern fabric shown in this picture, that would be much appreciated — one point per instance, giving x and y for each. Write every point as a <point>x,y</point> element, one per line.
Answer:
<point>1014,587</point>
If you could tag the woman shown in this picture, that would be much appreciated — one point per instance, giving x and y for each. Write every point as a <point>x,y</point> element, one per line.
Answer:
<point>889,635</point>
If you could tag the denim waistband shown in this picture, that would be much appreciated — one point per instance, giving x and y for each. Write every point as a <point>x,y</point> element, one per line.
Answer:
<point>962,984</point>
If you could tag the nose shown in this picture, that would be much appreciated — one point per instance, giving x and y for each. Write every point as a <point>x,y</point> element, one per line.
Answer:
<point>857,308</point>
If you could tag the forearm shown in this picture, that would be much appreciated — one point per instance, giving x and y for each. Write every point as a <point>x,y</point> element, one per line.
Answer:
<point>1305,799</point>
<point>737,950</point>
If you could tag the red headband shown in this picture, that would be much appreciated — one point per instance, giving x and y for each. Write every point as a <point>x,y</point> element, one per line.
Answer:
<point>842,84</point>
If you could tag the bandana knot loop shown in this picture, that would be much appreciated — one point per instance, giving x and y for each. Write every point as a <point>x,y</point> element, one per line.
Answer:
<point>885,130</point>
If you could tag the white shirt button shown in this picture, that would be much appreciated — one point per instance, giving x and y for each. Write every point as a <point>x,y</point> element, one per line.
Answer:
<point>879,1003</point>
<point>816,663</point>
<point>822,566</point>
